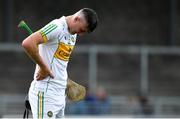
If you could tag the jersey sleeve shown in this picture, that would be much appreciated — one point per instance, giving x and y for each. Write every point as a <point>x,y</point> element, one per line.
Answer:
<point>50,32</point>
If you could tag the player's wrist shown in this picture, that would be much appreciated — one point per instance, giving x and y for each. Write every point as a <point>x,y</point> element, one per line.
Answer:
<point>42,65</point>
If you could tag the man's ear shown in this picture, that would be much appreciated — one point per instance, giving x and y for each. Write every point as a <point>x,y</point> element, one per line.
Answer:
<point>77,18</point>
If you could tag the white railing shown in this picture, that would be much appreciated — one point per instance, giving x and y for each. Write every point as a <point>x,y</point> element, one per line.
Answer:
<point>143,51</point>
<point>93,50</point>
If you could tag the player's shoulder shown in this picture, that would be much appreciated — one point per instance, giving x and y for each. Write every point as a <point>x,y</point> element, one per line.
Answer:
<point>59,22</point>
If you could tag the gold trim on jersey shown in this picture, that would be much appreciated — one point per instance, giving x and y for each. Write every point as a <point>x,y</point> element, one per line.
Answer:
<point>64,51</point>
<point>43,36</point>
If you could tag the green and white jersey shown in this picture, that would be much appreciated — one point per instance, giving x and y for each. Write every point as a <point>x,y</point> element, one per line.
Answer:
<point>56,51</point>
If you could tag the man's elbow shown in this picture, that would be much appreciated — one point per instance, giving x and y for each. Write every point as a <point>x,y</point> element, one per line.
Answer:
<point>25,44</point>
<point>32,41</point>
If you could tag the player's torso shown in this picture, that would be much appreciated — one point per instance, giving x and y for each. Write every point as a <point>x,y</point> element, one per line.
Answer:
<point>56,55</point>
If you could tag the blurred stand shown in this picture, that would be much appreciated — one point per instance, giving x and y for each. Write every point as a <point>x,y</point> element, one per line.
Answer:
<point>103,102</point>
<point>119,75</point>
<point>140,106</point>
<point>145,106</point>
<point>93,104</point>
<point>137,49</point>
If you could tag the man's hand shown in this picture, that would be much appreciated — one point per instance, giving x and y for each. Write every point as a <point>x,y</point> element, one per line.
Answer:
<point>43,73</point>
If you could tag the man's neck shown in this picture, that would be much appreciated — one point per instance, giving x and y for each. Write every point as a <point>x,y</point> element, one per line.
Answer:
<point>68,21</point>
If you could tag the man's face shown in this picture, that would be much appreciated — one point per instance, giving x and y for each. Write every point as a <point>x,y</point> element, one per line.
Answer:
<point>79,25</point>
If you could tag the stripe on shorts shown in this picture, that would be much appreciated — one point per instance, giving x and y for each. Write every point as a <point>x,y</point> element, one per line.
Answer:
<point>40,109</point>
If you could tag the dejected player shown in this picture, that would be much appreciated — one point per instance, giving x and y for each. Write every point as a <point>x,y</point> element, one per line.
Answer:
<point>50,49</point>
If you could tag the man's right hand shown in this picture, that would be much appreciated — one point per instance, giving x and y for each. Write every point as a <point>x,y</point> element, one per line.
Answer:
<point>43,73</point>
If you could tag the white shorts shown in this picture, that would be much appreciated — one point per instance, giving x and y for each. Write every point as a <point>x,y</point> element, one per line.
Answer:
<point>46,104</point>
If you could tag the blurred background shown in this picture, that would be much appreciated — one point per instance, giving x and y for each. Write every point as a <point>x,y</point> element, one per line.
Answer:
<point>129,64</point>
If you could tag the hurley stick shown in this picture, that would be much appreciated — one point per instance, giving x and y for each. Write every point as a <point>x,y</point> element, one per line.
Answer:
<point>23,25</point>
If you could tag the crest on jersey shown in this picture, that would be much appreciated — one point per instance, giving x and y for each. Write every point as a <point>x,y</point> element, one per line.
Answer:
<point>50,113</point>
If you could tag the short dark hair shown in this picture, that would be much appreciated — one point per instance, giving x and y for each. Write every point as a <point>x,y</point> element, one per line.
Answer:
<point>91,18</point>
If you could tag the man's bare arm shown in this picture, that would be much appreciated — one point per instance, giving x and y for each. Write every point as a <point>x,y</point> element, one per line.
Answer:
<point>30,44</point>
